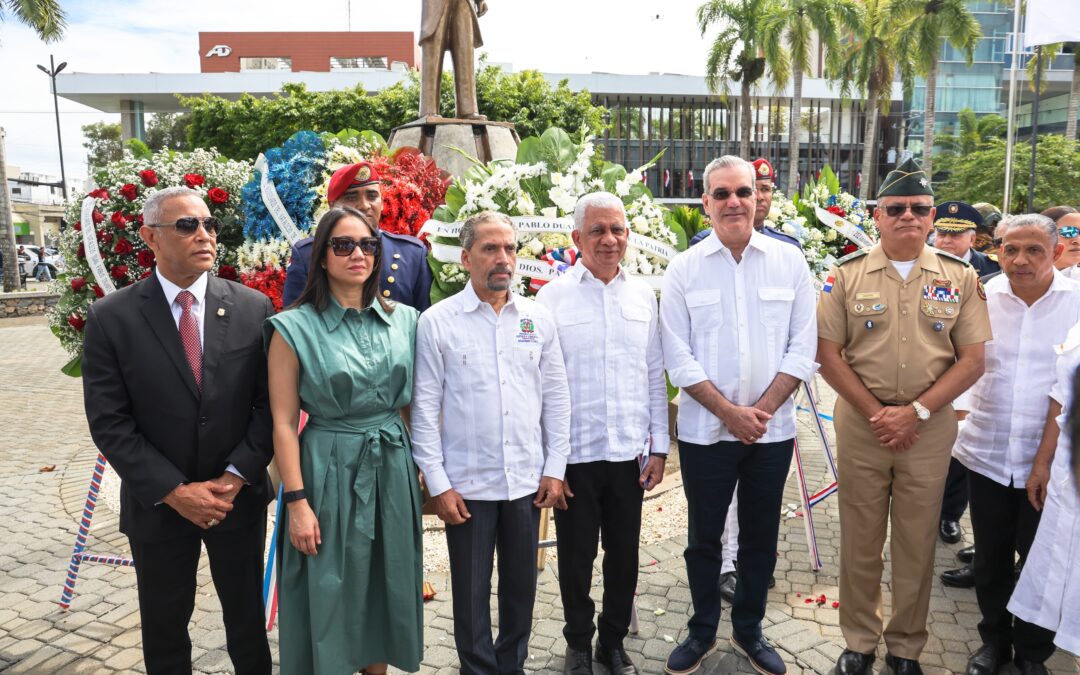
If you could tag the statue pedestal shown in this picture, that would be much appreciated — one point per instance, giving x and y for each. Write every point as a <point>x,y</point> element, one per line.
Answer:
<point>435,136</point>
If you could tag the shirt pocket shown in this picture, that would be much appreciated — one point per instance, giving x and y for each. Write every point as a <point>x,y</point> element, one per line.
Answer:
<point>869,321</point>
<point>635,325</point>
<point>936,319</point>
<point>575,328</point>
<point>706,311</point>
<point>776,305</point>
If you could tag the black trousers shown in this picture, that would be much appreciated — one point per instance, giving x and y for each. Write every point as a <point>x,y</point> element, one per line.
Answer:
<point>607,507</point>
<point>512,528</point>
<point>956,491</point>
<point>1004,524</point>
<point>165,572</point>
<point>709,474</point>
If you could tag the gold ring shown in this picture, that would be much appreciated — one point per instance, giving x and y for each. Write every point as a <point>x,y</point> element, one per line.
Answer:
<point>212,522</point>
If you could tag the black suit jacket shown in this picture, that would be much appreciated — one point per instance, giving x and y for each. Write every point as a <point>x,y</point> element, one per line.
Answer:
<point>147,416</point>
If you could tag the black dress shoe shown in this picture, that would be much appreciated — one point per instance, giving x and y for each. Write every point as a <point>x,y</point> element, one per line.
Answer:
<point>728,581</point>
<point>903,666</point>
<point>966,555</point>
<point>854,663</point>
<point>615,659</point>
<point>950,531</point>
<point>1030,667</point>
<point>963,577</point>
<point>986,661</point>
<point>577,662</point>
<point>772,581</point>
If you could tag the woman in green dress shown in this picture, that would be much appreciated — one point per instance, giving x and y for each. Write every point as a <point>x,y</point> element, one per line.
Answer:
<point>350,575</point>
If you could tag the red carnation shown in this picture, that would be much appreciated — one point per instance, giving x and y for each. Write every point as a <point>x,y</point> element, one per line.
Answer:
<point>129,191</point>
<point>145,257</point>
<point>77,284</point>
<point>149,178</point>
<point>76,322</point>
<point>77,226</point>
<point>227,272</point>
<point>119,272</point>
<point>850,248</point>
<point>123,247</point>
<point>217,195</point>
<point>99,291</point>
<point>837,211</point>
<point>100,193</point>
<point>81,252</point>
<point>194,180</point>
<point>99,217</point>
<point>119,220</point>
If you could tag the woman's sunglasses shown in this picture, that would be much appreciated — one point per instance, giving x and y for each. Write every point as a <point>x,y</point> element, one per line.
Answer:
<point>344,246</point>
<point>1068,231</point>
<point>188,225</point>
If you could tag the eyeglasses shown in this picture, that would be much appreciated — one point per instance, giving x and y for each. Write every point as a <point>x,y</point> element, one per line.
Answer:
<point>721,194</point>
<point>188,225</point>
<point>1068,231</point>
<point>897,210</point>
<point>343,246</point>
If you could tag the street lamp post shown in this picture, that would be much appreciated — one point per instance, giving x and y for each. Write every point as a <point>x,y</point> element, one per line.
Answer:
<point>52,72</point>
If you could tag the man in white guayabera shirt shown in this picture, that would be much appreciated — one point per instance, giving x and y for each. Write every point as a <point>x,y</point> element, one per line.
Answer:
<point>490,432</point>
<point>609,329</point>
<point>1032,307</point>
<point>739,335</point>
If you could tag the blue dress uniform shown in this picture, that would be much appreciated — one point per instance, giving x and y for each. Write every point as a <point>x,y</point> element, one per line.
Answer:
<point>405,276</point>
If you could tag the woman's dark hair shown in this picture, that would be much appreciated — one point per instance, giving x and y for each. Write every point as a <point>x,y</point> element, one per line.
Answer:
<point>317,289</point>
<point>1055,213</point>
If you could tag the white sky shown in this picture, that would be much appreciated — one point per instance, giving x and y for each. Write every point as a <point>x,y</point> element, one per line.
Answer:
<point>138,36</point>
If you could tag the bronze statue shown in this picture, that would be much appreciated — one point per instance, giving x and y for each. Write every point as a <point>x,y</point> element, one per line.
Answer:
<point>450,25</point>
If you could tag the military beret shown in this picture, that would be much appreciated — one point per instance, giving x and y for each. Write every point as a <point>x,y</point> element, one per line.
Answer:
<point>906,180</point>
<point>349,177</point>
<point>956,217</point>
<point>763,170</point>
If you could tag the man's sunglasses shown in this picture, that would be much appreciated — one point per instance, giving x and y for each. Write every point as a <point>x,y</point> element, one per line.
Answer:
<point>343,246</point>
<point>1068,231</point>
<point>720,194</point>
<point>897,210</point>
<point>188,225</point>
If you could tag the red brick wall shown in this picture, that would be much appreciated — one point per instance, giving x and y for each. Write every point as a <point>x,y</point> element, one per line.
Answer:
<point>309,51</point>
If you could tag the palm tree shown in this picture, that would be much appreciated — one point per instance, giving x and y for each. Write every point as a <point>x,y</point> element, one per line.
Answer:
<point>791,24</point>
<point>735,53</point>
<point>1050,52</point>
<point>922,25</point>
<point>867,62</point>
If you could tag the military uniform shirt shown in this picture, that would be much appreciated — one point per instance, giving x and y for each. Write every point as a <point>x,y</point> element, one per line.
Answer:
<point>900,336</point>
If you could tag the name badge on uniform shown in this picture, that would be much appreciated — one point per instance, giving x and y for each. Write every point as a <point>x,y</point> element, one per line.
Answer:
<point>868,295</point>
<point>527,332</point>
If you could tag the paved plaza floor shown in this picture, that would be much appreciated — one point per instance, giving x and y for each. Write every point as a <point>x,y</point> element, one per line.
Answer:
<point>46,457</point>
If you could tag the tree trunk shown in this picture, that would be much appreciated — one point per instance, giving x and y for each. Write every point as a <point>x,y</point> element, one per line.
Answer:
<point>744,130</point>
<point>1074,95</point>
<point>928,121</point>
<point>869,142</point>
<point>7,228</point>
<point>793,131</point>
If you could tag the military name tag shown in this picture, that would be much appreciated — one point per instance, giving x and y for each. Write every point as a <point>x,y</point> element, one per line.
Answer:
<point>868,295</point>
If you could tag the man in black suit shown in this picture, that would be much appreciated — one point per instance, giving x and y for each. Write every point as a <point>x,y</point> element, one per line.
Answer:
<point>174,382</point>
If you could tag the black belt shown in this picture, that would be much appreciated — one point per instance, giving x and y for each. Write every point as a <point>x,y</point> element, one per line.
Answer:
<point>895,403</point>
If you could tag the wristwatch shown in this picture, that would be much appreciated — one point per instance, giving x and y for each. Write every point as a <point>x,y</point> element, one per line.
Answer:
<point>921,411</point>
<point>293,496</point>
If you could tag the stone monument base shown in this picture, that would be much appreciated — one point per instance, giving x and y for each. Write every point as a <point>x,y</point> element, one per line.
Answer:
<point>436,136</point>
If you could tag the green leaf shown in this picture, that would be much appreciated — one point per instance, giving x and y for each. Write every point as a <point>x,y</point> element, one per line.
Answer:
<point>611,174</point>
<point>444,213</point>
<point>528,151</point>
<point>455,199</point>
<point>557,149</point>
<point>680,232</point>
<point>73,368</point>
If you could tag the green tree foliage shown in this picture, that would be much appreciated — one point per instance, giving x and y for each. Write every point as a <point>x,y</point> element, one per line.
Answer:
<point>45,17</point>
<point>974,132</point>
<point>243,128</point>
<point>979,176</point>
<point>102,143</point>
<point>167,130</point>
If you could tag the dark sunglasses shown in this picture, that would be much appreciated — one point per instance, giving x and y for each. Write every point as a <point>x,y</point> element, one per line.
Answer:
<point>1068,231</point>
<point>188,225</point>
<point>721,194</point>
<point>343,246</point>
<point>897,210</point>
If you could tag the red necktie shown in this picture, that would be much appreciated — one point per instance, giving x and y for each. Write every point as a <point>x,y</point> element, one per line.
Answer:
<point>189,335</point>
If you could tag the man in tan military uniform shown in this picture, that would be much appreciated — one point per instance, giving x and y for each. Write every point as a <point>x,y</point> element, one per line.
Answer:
<point>901,329</point>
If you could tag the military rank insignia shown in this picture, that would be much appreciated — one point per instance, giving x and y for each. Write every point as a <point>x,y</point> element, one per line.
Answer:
<point>981,290</point>
<point>941,293</point>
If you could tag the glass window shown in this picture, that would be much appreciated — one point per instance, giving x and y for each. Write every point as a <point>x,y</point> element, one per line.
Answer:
<point>359,62</point>
<point>265,63</point>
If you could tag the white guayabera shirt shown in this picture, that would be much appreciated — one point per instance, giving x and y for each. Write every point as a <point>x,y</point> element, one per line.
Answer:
<point>610,338</point>
<point>737,325</point>
<point>490,406</point>
<point>1008,403</point>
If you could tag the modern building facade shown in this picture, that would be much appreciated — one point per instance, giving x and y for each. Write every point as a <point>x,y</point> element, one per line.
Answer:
<point>37,205</point>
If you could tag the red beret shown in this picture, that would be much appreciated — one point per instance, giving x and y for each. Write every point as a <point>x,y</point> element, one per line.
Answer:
<point>762,169</point>
<point>349,177</point>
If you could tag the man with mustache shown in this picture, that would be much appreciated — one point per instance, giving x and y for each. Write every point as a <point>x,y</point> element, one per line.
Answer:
<point>490,425</point>
<point>901,329</point>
